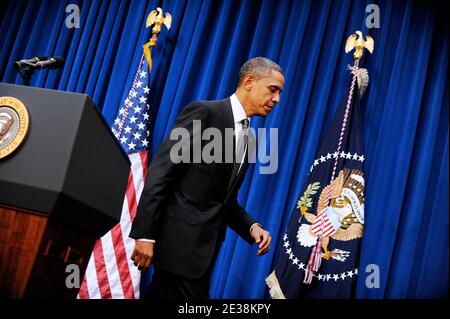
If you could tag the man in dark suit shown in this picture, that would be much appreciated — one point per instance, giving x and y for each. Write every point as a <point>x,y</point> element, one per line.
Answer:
<point>186,206</point>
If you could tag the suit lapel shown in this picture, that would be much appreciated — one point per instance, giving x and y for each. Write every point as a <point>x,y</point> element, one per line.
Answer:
<point>227,114</point>
<point>228,122</point>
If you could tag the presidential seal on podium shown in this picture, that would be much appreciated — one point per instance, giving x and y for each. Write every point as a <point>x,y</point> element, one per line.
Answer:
<point>14,124</point>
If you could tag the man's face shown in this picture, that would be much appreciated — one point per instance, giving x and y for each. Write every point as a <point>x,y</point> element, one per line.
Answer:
<point>265,93</point>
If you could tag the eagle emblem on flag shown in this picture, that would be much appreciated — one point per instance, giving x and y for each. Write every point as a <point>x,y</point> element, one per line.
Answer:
<point>343,218</point>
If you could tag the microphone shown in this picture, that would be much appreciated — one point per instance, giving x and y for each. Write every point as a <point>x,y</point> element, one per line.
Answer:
<point>26,67</point>
<point>28,62</point>
<point>54,62</point>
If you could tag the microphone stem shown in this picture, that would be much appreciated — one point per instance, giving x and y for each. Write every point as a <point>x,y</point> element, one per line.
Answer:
<point>26,75</point>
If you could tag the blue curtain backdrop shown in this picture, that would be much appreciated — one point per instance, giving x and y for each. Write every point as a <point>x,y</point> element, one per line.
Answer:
<point>405,109</point>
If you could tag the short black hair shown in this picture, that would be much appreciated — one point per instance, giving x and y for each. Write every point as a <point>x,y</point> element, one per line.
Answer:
<point>259,67</point>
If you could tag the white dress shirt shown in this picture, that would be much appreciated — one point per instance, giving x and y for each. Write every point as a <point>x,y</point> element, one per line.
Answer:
<point>238,115</point>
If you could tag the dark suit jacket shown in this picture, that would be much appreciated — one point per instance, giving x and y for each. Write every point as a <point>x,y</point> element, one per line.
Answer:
<point>186,207</point>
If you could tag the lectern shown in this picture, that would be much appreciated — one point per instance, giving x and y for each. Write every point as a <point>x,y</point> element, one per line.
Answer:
<point>60,190</point>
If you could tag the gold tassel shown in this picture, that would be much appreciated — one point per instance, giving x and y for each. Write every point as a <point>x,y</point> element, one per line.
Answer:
<point>148,54</point>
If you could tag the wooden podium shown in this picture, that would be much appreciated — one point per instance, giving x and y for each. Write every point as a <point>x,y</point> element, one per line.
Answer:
<point>59,192</point>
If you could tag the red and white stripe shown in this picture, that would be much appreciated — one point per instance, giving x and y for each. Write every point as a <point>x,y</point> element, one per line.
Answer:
<point>110,273</point>
<point>322,226</point>
<point>344,123</point>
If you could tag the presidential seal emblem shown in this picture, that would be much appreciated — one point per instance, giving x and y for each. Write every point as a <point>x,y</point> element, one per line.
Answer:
<point>14,124</point>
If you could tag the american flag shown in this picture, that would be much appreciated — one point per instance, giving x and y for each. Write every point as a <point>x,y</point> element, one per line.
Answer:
<point>110,273</point>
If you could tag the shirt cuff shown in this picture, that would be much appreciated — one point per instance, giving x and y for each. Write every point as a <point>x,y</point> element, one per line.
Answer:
<point>147,240</point>
<point>251,227</point>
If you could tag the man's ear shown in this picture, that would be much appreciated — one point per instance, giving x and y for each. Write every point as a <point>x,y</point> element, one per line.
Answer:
<point>247,82</point>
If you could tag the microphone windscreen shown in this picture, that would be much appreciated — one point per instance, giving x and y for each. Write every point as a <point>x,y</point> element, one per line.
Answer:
<point>59,61</point>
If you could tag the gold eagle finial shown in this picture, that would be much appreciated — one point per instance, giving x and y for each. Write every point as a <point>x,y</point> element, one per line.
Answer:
<point>157,18</point>
<point>357,41</point>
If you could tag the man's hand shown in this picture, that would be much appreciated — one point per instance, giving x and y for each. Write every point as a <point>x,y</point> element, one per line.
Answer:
<point>142,254</point>
<point>263,238</point>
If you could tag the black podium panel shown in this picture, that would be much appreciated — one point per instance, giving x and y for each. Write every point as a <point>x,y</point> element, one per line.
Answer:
<point>70,166</point>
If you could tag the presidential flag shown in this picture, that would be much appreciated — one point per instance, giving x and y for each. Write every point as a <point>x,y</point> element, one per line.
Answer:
<point>319,252</point>
<point>110,273</point>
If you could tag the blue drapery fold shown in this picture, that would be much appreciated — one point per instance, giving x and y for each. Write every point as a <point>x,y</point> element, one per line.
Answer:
<point>405,109</point>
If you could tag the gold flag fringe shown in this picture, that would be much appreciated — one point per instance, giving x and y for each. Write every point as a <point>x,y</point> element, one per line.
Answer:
<point>275,289</point>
